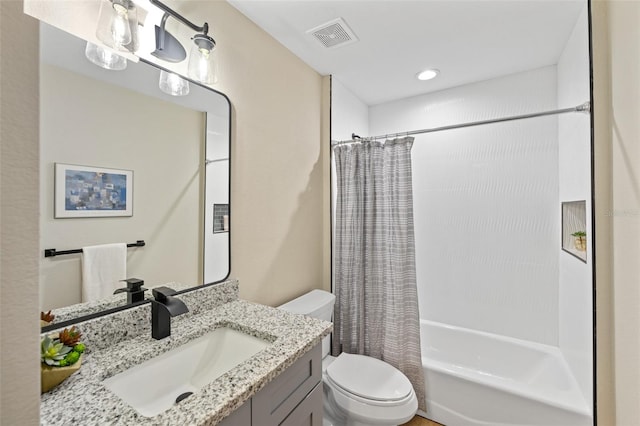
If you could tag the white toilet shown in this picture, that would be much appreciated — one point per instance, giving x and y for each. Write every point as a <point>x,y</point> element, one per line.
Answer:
<point>358,390</point>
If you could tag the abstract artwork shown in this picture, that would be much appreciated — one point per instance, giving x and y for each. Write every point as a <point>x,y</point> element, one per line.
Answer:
<point>83,191</point>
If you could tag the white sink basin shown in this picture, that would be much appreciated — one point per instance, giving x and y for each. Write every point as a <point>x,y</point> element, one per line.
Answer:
<point>153,386</point>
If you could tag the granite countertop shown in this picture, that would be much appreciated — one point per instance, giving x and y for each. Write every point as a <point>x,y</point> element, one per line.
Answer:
<point>83,399</point>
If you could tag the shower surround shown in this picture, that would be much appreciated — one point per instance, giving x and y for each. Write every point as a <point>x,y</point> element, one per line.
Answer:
<point>493,283</point>
<point>486,204</point>
<point>488,259</point>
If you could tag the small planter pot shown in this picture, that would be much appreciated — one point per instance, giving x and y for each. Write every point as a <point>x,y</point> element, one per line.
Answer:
<point>50,377</point>
<point>580,243</point>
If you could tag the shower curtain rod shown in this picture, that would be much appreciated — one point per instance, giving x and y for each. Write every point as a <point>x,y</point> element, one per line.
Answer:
<point>585,107</point>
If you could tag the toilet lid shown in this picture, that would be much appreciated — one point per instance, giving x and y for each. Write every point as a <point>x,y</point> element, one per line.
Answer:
<point>369,378</point>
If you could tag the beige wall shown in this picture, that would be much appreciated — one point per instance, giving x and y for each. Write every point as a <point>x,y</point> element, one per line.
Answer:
<point>19,325</point>
<point>624,25</point>
<point>163,143</point>
<point>602,206</point>
<point>278,245</point>
<point>619,90</point>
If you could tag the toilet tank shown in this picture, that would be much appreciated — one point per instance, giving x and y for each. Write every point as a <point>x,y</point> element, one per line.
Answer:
<point>316,304</point>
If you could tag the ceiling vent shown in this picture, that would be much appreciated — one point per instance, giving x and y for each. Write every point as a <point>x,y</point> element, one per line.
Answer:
<point>333,34</point>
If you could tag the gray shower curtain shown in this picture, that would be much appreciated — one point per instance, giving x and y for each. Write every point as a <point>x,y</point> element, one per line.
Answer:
<point>376,311</point>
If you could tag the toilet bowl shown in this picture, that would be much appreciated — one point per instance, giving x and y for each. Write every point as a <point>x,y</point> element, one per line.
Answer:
<point>358,390</point>
<point>366,391</point>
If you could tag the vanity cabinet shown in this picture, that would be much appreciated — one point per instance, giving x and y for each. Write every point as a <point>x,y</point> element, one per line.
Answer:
<point>294,398</point>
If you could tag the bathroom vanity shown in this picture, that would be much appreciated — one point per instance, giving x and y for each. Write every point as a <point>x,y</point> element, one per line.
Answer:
<point>279,385</point>
<point>293,398</point>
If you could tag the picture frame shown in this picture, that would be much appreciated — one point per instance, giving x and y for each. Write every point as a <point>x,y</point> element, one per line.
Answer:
<point>574,229</point>
<point>86,191</point>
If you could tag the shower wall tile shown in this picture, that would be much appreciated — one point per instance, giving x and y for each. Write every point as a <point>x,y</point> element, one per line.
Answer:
<point>348,113</point>
<point>486,204</point>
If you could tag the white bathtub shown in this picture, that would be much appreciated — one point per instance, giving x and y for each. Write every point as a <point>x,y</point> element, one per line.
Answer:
<point>475,378</point>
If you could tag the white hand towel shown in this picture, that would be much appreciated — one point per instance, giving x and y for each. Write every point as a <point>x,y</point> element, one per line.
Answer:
<point>103,267</point>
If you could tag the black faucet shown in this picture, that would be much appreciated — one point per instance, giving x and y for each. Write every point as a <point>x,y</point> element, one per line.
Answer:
<point>162,309</point>
<point>134,290</point>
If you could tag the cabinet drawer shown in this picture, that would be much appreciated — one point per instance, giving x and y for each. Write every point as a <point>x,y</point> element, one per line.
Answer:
<point>240,417</point>
<point>309,412</point>
<point>279,398</point>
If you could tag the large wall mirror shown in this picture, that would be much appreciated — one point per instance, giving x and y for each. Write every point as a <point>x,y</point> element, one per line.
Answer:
<point>178,150</point>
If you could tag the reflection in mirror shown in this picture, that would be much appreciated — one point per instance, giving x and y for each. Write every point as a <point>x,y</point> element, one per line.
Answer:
<point>178,151</point>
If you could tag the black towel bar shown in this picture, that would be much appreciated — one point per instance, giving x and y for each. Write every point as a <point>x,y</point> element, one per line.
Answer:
<point>53,252</point>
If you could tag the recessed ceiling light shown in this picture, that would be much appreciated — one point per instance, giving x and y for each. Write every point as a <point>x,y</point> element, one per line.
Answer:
<point>427,74</point>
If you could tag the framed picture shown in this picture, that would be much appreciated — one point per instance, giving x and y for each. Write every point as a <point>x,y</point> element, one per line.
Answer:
<point>83,191</point>
<point>574,229</point>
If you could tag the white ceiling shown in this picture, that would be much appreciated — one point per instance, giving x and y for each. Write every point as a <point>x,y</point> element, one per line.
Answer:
<point>467,40</point>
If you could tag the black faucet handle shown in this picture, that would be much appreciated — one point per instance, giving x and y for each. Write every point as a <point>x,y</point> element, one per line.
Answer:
<point>133,284</point>
<point>134,290</point>
<point>161,293</point>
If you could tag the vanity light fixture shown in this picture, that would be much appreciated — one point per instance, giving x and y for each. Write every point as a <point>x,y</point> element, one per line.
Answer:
<point>427,74</point>
<point>104,57</point>
<point>172,84</point>
<point>203,58</point>
<point>118,25</point>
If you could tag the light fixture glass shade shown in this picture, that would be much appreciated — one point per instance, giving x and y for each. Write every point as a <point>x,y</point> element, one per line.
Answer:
<point>172,84</point>
<point>203,60</point>
<point>118,25</point>
<point>104,57</point>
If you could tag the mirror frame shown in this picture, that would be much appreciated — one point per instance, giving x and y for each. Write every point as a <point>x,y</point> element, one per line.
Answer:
<point>82,318</point>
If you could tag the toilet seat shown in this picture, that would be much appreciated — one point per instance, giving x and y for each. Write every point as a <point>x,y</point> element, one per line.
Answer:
<point>369,379</point>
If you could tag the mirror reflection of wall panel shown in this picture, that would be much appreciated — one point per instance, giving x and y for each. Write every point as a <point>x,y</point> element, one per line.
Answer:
<point>574,229</point>
<point>216,257</point>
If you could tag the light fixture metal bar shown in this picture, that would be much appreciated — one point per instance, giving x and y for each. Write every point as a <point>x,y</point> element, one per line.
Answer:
<point>585,107</point>
<point>157,3</point>
<point>163,22</point>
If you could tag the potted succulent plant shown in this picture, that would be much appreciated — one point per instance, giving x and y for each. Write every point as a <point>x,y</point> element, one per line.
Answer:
<point>46,318</point>
<point>580,240</point>
<point>60,356</point>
